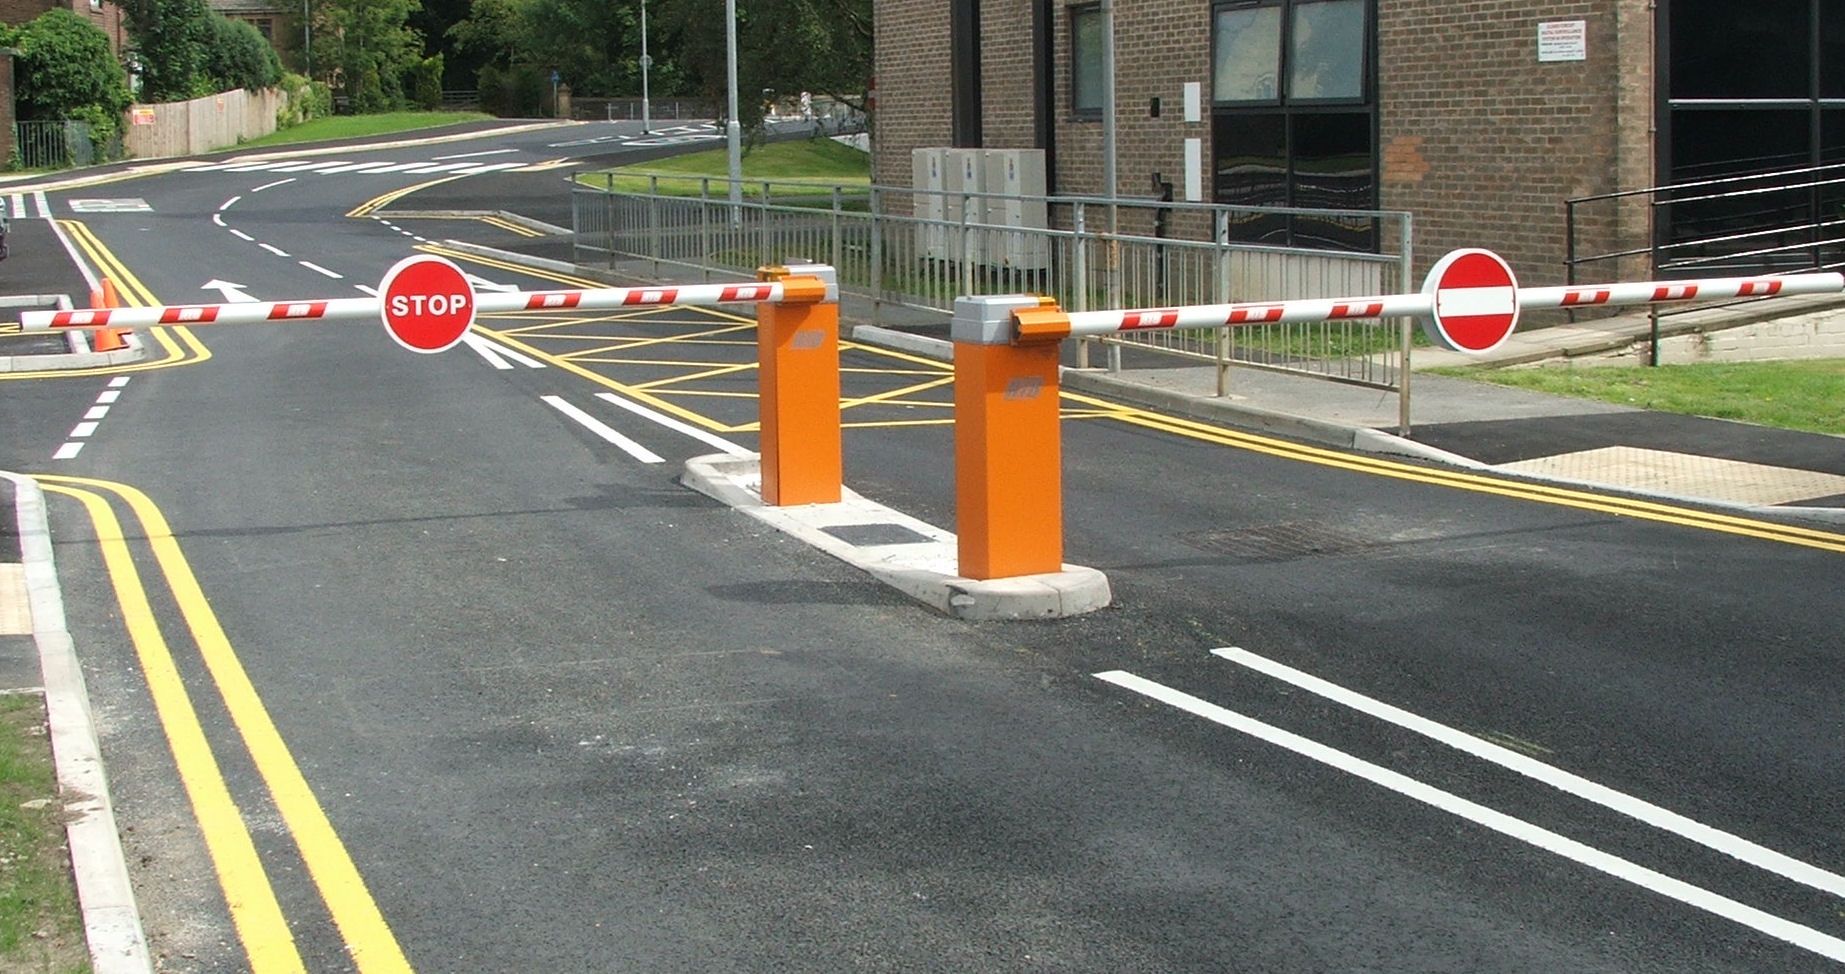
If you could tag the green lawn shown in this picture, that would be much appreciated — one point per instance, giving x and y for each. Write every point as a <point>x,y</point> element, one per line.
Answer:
<point>334,127</point>
<point>1804,395</point>
<point>811,166</point>
<point>40,927</point>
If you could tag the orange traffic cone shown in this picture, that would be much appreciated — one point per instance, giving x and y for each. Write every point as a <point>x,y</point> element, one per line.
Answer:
<point>105,339</point>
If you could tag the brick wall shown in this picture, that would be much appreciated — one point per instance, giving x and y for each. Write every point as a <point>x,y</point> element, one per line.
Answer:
<point>1483,143</point>
<point>1477,138</point>
<point>107,18</point>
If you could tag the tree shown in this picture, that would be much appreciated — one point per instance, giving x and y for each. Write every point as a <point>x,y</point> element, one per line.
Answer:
<point>790,46</point>
<point>238,57</point>
<point>64,69</point>
<point>171,39</point>
<point>370,47</point>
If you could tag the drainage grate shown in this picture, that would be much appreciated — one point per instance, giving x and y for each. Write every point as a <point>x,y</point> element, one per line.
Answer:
<point>1274,542</point>
<point>871,535</point>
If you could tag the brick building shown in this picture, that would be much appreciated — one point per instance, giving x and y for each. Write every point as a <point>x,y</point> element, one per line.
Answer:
<point>1481,117</point>
<point>106,16</point>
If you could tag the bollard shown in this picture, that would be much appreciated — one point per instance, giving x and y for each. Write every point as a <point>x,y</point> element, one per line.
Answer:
<point>1008,452</point>
<point>797,345</point>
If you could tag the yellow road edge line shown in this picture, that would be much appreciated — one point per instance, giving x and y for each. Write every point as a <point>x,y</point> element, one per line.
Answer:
<point>374,949</point>
<point>376,203</point>
<point>132,291</point>
<point>255,912</point>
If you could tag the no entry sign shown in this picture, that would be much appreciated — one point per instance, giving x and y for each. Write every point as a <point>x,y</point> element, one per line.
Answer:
<point>427,303</point>
<point>1474,301</point>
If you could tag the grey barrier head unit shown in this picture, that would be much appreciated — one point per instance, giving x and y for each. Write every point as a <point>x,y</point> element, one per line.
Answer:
<point>824,272</point>
<point>987,319</point>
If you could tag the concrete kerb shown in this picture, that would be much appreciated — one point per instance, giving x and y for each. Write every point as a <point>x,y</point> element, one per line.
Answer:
<point>287,153</point>
<point>111,919</point>
<point>921,566</point>
<point>79,357</point>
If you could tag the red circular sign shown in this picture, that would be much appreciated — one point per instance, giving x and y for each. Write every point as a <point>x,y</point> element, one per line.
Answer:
<point>1475,306</point>
<point>427,303</point>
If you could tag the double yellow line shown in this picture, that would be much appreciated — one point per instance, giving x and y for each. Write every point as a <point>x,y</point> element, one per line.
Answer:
<point>255,911</point>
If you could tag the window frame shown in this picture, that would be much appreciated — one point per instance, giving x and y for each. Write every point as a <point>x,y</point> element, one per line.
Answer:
<point>1079,112</point>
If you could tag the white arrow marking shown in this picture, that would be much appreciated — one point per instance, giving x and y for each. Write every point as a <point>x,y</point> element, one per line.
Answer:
<point>233,293</point>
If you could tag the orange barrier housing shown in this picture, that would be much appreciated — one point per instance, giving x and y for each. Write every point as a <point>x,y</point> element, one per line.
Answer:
<point>1008,447</point>
<point>797,346</point>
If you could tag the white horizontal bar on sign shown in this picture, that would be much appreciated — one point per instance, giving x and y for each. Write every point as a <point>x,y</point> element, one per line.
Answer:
<point>1659,292</point>
<point>1259,313</point>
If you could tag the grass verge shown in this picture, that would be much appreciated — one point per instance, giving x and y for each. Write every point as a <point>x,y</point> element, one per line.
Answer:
<point>334,127</point>
<point>1804,395</point>
<point>41,929</point>
<point>810,166</point>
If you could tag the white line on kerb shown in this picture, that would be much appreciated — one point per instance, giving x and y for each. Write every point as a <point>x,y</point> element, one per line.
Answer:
<point>703,436</point>
<point>597,427</point>
<point>316,268</point>
<point>1635,808</point>
<point>1800,936</point>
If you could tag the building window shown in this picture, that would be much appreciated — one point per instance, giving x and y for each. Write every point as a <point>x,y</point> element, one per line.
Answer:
<point>95,6</point>
<point>265,27</point>
<point>1294,118</point>
<point>1086,60</point>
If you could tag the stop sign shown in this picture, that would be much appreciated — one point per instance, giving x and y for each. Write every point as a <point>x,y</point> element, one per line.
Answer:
<point>1475,304</point>
<point>427,303</point>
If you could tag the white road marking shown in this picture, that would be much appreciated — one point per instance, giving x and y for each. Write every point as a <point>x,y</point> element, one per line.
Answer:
<point>83,430</point>
<point>272,248</point>
<point>497,167</point>
<point>279,182</point>
<point>443,167</point>
<point>108,396</point>
<point>239,234</point>
<point>486,350</point>
<point>301,166</point>
<point>703,436</point>
<point>67,451</point>
<point>396,167</point>
<point>218,218</point>
<point>471,155</point>
<point>316,268</point>
<point>368,289</point>
<point>119,381</point>
<point>227,204</point>
<point>109,206</point>
<point>44,205</point>
<point>1635,808</point>
<point>19,206</point>
<point>597,427</point>
<point>1780,928</point>
<point>517,356</point>
<point>96,412</point>
<point>345,167</point>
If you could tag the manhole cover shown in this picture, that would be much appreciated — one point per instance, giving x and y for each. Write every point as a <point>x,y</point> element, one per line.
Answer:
<point>1293,539</point>
<point>871,535</point>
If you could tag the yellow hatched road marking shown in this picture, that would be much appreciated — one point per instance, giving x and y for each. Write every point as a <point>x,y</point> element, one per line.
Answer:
<point>255,912</point>
<point>374,949</point>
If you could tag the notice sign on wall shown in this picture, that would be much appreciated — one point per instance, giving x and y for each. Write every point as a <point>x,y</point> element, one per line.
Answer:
<point>1563,40</point>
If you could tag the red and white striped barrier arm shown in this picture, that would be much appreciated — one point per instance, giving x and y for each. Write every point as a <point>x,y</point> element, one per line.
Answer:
<point>1093,323</point>
<point>368,309</point>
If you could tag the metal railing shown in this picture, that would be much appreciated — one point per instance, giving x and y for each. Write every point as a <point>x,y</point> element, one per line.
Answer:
<point>1781,222</point>
<point>57,144</point>
<point>883,251</point>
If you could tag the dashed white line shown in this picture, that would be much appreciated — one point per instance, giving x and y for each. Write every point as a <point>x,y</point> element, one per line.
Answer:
<point>272,248</point>
<point>96,412</point>
<point>597,427</point>
<point>471,155</point>
<point>67,451</point>
<point>218,218</point>
<point>703,436</point>
<point>279,182</point>
<point>118,382</point>
<point>19,206</point>
<point>83,430</point>
<point>316,268</point>
<point>239,234</point>
<point>1780,928</point>
<point>227,204</point>
<point>108,396</point>
<point>44,205</point>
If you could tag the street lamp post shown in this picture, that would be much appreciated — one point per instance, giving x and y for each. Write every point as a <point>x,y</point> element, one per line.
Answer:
<point>733,131</point>
<point>646,62</point>
<point>307,38</point>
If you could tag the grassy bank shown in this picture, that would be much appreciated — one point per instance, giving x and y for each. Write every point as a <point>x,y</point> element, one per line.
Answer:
<point>809,166</point>
<point>1805,395</point>
<point>40,927</point>
<point>335,127</point>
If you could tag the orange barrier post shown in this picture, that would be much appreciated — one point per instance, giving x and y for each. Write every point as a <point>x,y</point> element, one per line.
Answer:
<point>105,339</point>
<point>1008,448</point>
<point>797,345</point>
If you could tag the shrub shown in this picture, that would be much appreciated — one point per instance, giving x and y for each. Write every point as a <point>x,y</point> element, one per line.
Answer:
<point>425,82</point>
<point>236,56</point>
<point>64,66</point>
<point>306,99</point>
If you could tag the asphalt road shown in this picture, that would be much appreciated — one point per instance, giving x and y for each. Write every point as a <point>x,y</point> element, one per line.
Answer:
<point>489,693</point>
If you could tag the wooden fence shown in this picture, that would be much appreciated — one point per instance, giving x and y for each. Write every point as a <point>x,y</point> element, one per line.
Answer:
<point>184,128</point>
